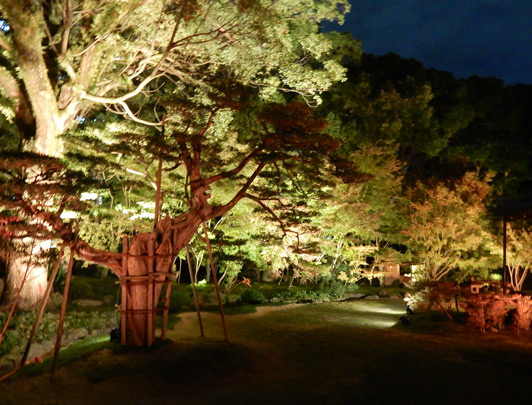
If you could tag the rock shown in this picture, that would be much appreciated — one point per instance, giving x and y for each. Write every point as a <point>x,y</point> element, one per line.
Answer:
<point>355,296</point>
<point>88,303</point>
<point>73,335</point>
<point>40,349</point>
<point>383,294</point>
<point>405,320</point>
<point>372,297</point>
<point>109,300</point>
<point>395,297</point>
<point>274,300</point>
<point>54,302</point>
<point>9,362</point>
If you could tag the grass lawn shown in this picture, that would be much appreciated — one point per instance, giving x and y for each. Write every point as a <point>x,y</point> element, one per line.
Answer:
<point>338,352</point>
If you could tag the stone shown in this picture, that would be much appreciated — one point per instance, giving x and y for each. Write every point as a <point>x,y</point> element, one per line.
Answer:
<point>75,334</point>
<point>355,296</point>
<point>88,303</point>
<point>54,302</point>
<point>274,300</point>
<point>109,300</point>
<point>40,349</point>
<point>372,297</point>
<point>395,297</point>
<point>383,294</point>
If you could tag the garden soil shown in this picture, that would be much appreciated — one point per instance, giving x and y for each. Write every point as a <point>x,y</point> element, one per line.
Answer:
<point>326,353</point>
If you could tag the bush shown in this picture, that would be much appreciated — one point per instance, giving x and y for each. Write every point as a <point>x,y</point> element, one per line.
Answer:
<point>20,326</point>
<point>307,295</point>
<point>523,311</point>
<point>487,310</point>
<point>252,296</point>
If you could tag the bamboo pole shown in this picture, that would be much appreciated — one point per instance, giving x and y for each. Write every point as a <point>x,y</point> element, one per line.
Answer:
<point>63,308</point>
<point>215,280</point>
<point>123,281</point>
<point>194,292</point>
<point>43,305</point>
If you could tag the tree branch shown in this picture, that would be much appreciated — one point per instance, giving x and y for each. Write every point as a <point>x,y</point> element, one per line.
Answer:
<point>222,209</point>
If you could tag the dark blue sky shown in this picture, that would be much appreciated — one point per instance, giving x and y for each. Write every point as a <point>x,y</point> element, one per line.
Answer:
<point>465,37</point>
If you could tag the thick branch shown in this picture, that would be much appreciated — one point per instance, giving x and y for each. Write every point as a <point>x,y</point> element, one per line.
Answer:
<point>222,209</point>
<point>232,172</point>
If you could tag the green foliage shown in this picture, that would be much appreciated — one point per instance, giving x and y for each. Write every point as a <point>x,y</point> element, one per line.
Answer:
<point>518,253</point>
<point>307,295</point>
<point>447,228</point>
<point>21,324</point>
<point>252,296</point>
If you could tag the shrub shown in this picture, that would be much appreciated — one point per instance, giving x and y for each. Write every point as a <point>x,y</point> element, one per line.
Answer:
<point>20,326</point>
<point>523,311</point>
<point>307,295</point>
<point>252,296</point>
<point>487,310</point>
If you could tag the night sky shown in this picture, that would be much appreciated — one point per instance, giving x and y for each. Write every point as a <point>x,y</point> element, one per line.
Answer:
<point>489,38</point>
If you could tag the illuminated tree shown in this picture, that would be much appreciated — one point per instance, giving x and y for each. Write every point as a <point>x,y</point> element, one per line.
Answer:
<point>62,59</point>
<point>518,255</point>
<point>447,230</point>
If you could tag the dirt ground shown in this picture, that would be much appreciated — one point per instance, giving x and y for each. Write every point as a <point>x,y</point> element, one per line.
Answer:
<point>327,353</point>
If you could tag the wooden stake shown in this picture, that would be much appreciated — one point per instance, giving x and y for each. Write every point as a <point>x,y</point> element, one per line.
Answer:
<point>43,305</point>
<point>63,307</point>
<point>123,306</point>
<point>194,292</point>
<point>215,280</point>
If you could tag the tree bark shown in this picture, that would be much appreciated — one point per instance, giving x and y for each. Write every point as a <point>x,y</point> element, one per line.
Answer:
<point>30,280</point>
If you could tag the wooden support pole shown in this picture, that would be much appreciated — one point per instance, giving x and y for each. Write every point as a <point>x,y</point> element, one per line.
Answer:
<point>166,307</point>
<point>43,305</point>
<point>63,309</point>
<point>150,295</point>
<point>158,193</point>
<point>215,280</point>
<point>504,246</point>
<point>194,292</point>
<point>17,297</point>
<point>168,290</point>
<point>123,282</point>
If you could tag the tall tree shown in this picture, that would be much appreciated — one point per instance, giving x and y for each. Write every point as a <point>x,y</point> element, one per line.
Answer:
<point>61,59</point>
<point>447,230</point>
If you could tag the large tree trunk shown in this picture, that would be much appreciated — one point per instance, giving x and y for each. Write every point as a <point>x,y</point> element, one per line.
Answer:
<point>148,265</point>
<point>27,277</point>
<point>49,125</point>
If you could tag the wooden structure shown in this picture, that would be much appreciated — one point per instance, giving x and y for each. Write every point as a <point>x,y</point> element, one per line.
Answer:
<point>146,268</point>
<point>392,272</point>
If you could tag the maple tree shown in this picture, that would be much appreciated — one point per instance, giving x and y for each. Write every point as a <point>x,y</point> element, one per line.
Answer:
<point>447,230</point>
